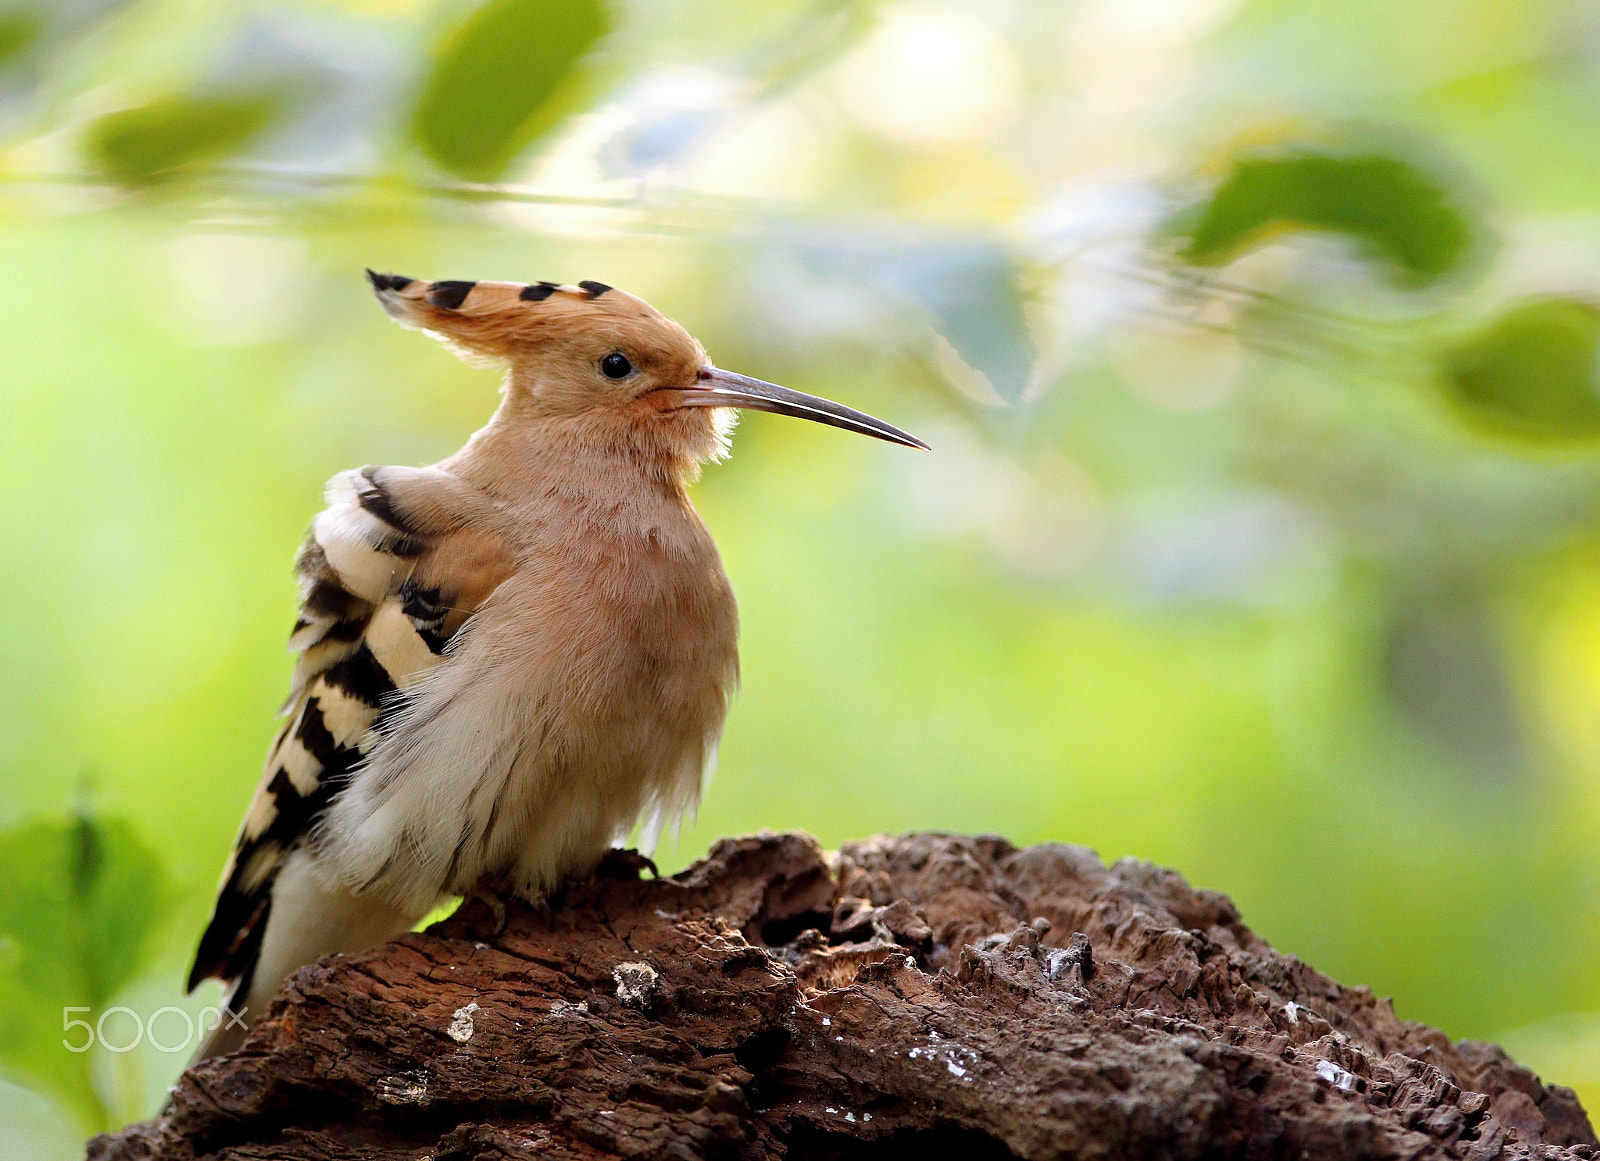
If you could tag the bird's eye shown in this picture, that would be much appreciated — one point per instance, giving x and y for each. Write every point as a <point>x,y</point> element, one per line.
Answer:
<point>616,366</point>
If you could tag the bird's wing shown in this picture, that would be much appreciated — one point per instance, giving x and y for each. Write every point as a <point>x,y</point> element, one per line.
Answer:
<point>390,571</point>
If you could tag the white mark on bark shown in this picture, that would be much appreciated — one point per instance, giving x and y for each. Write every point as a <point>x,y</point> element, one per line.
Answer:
<point>1336,1076</point>
<point>460,1029</point>
<point>406,1088</point>
<point>636,984</point>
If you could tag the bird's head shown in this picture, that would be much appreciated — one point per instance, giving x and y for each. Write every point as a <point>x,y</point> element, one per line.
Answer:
<point>592,351</point>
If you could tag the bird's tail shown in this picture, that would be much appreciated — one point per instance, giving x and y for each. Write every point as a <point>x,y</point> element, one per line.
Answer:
<point>306,920</point>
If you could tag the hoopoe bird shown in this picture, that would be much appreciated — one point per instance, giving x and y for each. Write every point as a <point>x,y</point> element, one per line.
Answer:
<point>508,658</point>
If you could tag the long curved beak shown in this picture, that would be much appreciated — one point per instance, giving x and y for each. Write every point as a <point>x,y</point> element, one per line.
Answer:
<point>719,388</point>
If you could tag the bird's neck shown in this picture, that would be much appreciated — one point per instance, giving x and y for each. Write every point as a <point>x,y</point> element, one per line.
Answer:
<point>518,455</point>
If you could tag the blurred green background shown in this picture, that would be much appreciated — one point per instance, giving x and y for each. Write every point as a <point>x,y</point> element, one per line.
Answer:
<point>1256,341</point>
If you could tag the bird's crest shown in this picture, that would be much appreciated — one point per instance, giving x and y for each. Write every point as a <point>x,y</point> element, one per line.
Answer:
<point>401,295</point>
<point>501,320</point>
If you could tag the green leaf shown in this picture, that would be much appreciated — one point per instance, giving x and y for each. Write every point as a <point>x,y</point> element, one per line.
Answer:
<point>500,79</point>
<point>79,900</point>
<point>1532,372</point>
<point>140,145</point>
<point>19,31</point>
<point>1404,218</point>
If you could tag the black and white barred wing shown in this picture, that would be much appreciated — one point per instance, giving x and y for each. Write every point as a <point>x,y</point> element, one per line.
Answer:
<point>390,571</point>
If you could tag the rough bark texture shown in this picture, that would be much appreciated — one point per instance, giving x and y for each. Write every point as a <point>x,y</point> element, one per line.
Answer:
<point>915,997</point>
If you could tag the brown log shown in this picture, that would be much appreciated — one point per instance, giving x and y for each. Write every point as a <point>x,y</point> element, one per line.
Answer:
<point>925,996</point>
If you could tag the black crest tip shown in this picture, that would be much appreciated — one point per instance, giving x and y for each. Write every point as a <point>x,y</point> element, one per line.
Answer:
<point>595,289</point>
<point>537,291</point>
<point>388,281</point>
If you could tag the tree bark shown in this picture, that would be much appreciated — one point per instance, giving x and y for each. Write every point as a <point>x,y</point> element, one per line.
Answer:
<point>909,997</point>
